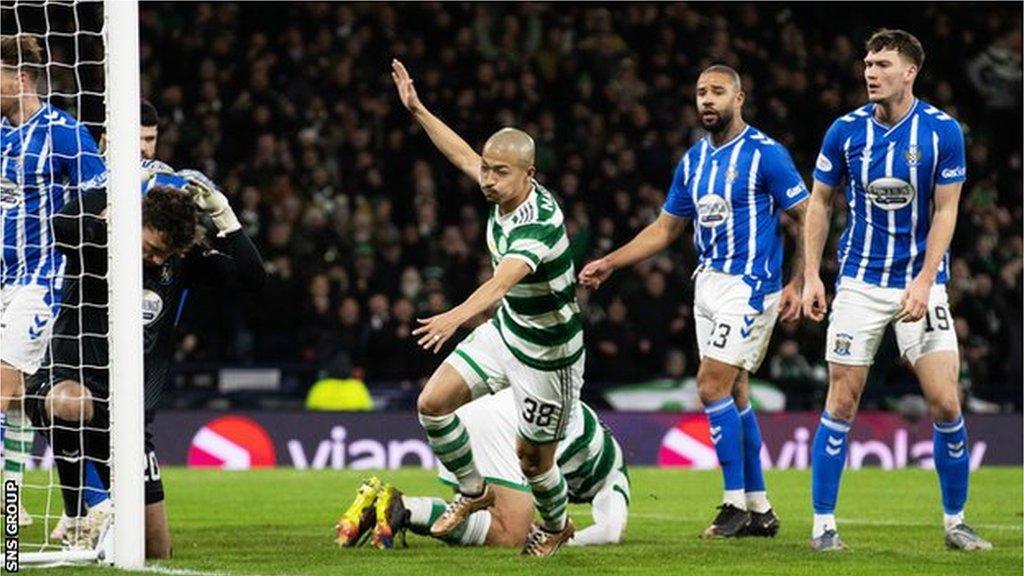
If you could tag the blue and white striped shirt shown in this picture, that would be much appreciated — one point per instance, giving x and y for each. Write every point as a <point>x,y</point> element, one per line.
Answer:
<point>891,174</point>
<point>735,193</point>
<point>44,163</point>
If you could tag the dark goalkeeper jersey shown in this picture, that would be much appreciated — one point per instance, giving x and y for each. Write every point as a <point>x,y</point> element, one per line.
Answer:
<point>78,349</point>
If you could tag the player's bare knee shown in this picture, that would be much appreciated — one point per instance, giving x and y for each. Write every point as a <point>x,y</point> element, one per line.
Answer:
<point>431,404</point>
<point>531,460</point>
<point>843,403</point>
<point>714,381</point>
<point>845,391</point>
<point>11,385</point>
<point>945,408</point>
<point>712,389</point>
<point>69,401</point>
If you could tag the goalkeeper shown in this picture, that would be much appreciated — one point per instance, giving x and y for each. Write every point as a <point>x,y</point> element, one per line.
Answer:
<point>73,394</point>
<point>589,457</point>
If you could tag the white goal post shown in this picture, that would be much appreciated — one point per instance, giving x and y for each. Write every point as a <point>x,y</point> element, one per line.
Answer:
<point>124,544</point>
<point>125,278</point>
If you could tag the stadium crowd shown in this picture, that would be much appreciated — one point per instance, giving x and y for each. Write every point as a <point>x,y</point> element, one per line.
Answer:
<point>365,227</point>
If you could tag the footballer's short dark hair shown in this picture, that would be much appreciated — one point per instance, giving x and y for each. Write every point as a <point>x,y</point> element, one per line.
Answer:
<point>147,115</point>
<point>903,42</point>
<point>173,214</point>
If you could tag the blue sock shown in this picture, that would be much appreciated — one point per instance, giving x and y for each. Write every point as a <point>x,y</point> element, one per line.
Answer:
<point>952,462</point>
<point>727,434</point>
<point>828,456</point>
<point>753,478</point>
<point>95,492</point>
<point>3,424</point>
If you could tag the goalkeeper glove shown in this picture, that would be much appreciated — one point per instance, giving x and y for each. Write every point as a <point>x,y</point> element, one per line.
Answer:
<point>211,200</point>
<point>151,168</point>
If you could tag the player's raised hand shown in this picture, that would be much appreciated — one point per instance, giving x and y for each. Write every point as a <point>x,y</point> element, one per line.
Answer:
<point>433,332</point>
<point>915,300</point>
<point>814,298</point>
<point>211,200</point>
<point>406,91</point>
<point>595,273</point>
<point>790,304</point>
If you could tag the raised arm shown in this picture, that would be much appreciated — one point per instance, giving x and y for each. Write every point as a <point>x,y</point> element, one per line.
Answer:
<point>433,332</point>
<point>457,150</point>
<point>657,236</point>
<point>816,222</point>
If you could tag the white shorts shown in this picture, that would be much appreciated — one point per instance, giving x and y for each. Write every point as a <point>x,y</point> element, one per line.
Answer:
<point>26,322</point>
<point>861,311</point>
<point>545,400</point>
<point>729,328</point>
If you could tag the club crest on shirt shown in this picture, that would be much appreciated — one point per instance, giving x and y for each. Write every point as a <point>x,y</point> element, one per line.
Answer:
<point>912,155</point>
<point>712,211</point>
<point>842,344</point>
<point>890,193</point>
<point>166,274</point>
<point>502,244</point>
<point>731,174</point>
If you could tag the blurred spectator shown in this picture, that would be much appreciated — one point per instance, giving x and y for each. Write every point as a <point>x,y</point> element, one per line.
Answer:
<point>290,106</point>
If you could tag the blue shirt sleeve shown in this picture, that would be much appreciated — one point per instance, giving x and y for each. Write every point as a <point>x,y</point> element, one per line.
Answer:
<point>952,166</point>
<point>679,203</point>
<point>831,163</point>
<point>780,177</point>
<point>80,158</point>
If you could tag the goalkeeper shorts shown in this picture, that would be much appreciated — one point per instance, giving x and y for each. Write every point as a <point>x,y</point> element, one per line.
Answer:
<point>98,443</point>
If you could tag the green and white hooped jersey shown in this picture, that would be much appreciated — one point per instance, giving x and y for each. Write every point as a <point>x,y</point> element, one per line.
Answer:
<point>590,457</point>
<point>539,319</point>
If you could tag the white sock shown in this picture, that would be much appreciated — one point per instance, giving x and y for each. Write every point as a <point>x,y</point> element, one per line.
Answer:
<point>758,502</point>
<point>950,521</point>
<point>477,526</point>
<point>736,498</point>
<point>423,511</point>
<point>823,522</point>
<point>473,531</point>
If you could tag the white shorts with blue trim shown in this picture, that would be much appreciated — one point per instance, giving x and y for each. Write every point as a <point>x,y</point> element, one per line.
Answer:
<point>26,323</point>
<point>730,328</point>
<point>861,312</point>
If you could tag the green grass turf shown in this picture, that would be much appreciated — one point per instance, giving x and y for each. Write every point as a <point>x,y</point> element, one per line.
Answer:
<point>280,522</point>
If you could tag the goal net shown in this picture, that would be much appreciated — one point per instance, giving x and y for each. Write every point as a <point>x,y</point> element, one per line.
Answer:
<point>72,428</point>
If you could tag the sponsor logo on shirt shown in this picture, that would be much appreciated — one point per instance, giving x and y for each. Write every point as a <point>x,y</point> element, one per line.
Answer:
<point>890,193</point>
<point>152,306</point>
<point>10,194</point>
<point>958,172</point>
<point>712,211</point>
<point>796,190</point>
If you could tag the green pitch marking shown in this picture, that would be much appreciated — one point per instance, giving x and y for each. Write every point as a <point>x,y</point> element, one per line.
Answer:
<point>271,522</point>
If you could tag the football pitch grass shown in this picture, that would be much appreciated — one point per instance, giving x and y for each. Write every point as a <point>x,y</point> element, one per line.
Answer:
<point>270,522</point>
